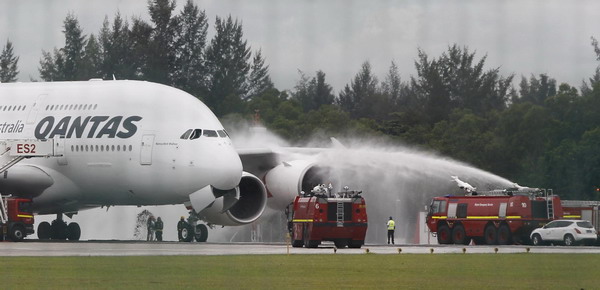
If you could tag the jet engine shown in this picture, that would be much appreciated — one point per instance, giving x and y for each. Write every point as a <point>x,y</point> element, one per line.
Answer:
<point>287,180</point>
<point>241,205</point>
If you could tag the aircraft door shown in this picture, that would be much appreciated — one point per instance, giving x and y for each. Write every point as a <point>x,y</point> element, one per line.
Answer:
<point>35,109</point>
<point>59,149</point>
<point>146,153</point>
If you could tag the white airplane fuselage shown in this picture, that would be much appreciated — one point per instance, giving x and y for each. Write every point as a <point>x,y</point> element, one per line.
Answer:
<point>121,143</point>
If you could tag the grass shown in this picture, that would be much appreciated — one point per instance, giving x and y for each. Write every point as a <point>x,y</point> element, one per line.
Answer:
<point>406,271</point>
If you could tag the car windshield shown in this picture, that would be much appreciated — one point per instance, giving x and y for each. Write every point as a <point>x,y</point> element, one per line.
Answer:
<point>585,224</point>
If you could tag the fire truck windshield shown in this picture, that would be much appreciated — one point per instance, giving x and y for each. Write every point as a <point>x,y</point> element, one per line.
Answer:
<point>437,206</point>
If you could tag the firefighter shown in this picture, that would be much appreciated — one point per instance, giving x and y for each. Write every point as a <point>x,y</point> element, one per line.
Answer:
<point>150,227</point>
<point>182,224</point>
<point>391,226</point>
<point>158,226</point>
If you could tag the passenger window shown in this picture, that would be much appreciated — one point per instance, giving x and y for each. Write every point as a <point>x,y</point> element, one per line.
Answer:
<point>221,133</point>
<point>196,134</point>
<point>210,133</point>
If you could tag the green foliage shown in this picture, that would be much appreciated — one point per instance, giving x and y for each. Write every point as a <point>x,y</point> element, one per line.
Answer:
<point>8,64</point>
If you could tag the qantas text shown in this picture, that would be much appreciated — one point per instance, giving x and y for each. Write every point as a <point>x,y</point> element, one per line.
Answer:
<point>95,126</point>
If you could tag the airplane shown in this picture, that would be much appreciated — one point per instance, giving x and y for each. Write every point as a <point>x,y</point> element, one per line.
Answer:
<point>123,142</point>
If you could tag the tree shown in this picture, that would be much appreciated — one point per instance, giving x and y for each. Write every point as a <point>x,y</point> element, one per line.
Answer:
<point>8,64</point>
<point>259,80</point>
<point>161,50</point>
<point>92,60</point>
<point>73,51</point>
<point>313,93</point>
<point>66,64</point>
<point>361,98</point>
<point>537,91</point>
<point>227,59</point>
<point>456,80</point>
<point>189,71</point>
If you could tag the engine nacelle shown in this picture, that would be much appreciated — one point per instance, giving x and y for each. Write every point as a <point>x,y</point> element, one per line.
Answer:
<point>238,206</point>
<point>287,180</point>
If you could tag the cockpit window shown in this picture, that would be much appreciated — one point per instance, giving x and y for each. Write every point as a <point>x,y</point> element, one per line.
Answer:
<point>196,134</point>
<point>210,133</point>
<point>222,133</point>
<point>186,135</point>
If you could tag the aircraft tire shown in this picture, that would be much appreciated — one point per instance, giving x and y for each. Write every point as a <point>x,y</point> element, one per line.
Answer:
<point>44,231</point>
<point>186,234</point>
<point>58,230</point>
<point>201,234</point>
<point>73,232</point>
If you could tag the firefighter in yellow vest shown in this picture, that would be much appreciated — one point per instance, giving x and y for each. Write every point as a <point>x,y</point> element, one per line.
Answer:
<point>391,226</point>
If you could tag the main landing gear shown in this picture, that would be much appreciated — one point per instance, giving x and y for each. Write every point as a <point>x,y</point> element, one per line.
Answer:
<point>194,230</point>
<point>59,230</point>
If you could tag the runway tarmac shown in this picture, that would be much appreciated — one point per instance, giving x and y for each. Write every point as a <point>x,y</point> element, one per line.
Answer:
<point>137,248</point>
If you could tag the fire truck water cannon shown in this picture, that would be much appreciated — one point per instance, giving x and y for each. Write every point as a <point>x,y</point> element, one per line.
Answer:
<point>323,215</point>
<point>502,216</point>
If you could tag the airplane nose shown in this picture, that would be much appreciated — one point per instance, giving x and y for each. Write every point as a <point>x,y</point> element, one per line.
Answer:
<point>227,171</point>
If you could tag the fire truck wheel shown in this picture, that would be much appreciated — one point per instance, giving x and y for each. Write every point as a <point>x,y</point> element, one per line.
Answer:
<point>490,235</point>
<point>569,240</point>
<point>536,240</point>
<point>201,233</point>
<point>355,244</point>
<point>459,236</point>
<point>44,230</point>
<point>295,242</point>
<point>444,235</point>
<point>73,232</point>
<point>504,236</point>
<point>340,244</point>
<point>17,233</point>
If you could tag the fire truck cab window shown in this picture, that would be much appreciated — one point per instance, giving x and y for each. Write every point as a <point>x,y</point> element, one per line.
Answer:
<point>186,135</point>
<point>25,207</point>
<point>196,134</point>
<point>210,133</point>
<point>437,206</point>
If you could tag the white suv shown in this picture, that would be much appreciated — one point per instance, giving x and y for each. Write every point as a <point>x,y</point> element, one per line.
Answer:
<point>569,232</point>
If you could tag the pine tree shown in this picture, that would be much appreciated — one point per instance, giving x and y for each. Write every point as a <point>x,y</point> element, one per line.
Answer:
<point>73,51</point>
<point>259,80</point>
<point>189,72</point>
<point>227,58</point>
<point>160,61</point>
<point>8,64</point>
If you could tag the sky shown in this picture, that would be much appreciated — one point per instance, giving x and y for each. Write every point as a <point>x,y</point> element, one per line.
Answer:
<point>522,37</point>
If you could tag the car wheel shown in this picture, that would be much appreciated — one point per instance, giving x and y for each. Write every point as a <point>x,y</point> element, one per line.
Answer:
<point>536,240</point>
<point>569,240</point>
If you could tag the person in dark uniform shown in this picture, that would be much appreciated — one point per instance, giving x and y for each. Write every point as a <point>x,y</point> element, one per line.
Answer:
<point>182,224</point>
<point>150,227</point>
<point>158,227</point>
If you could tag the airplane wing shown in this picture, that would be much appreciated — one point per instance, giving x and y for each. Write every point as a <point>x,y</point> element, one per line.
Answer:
<point>25,180</point>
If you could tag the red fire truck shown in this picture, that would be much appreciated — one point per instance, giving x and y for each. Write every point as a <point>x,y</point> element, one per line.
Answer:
<point>495,217</point>
<point>321,216</point>
<point>16,218</point>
